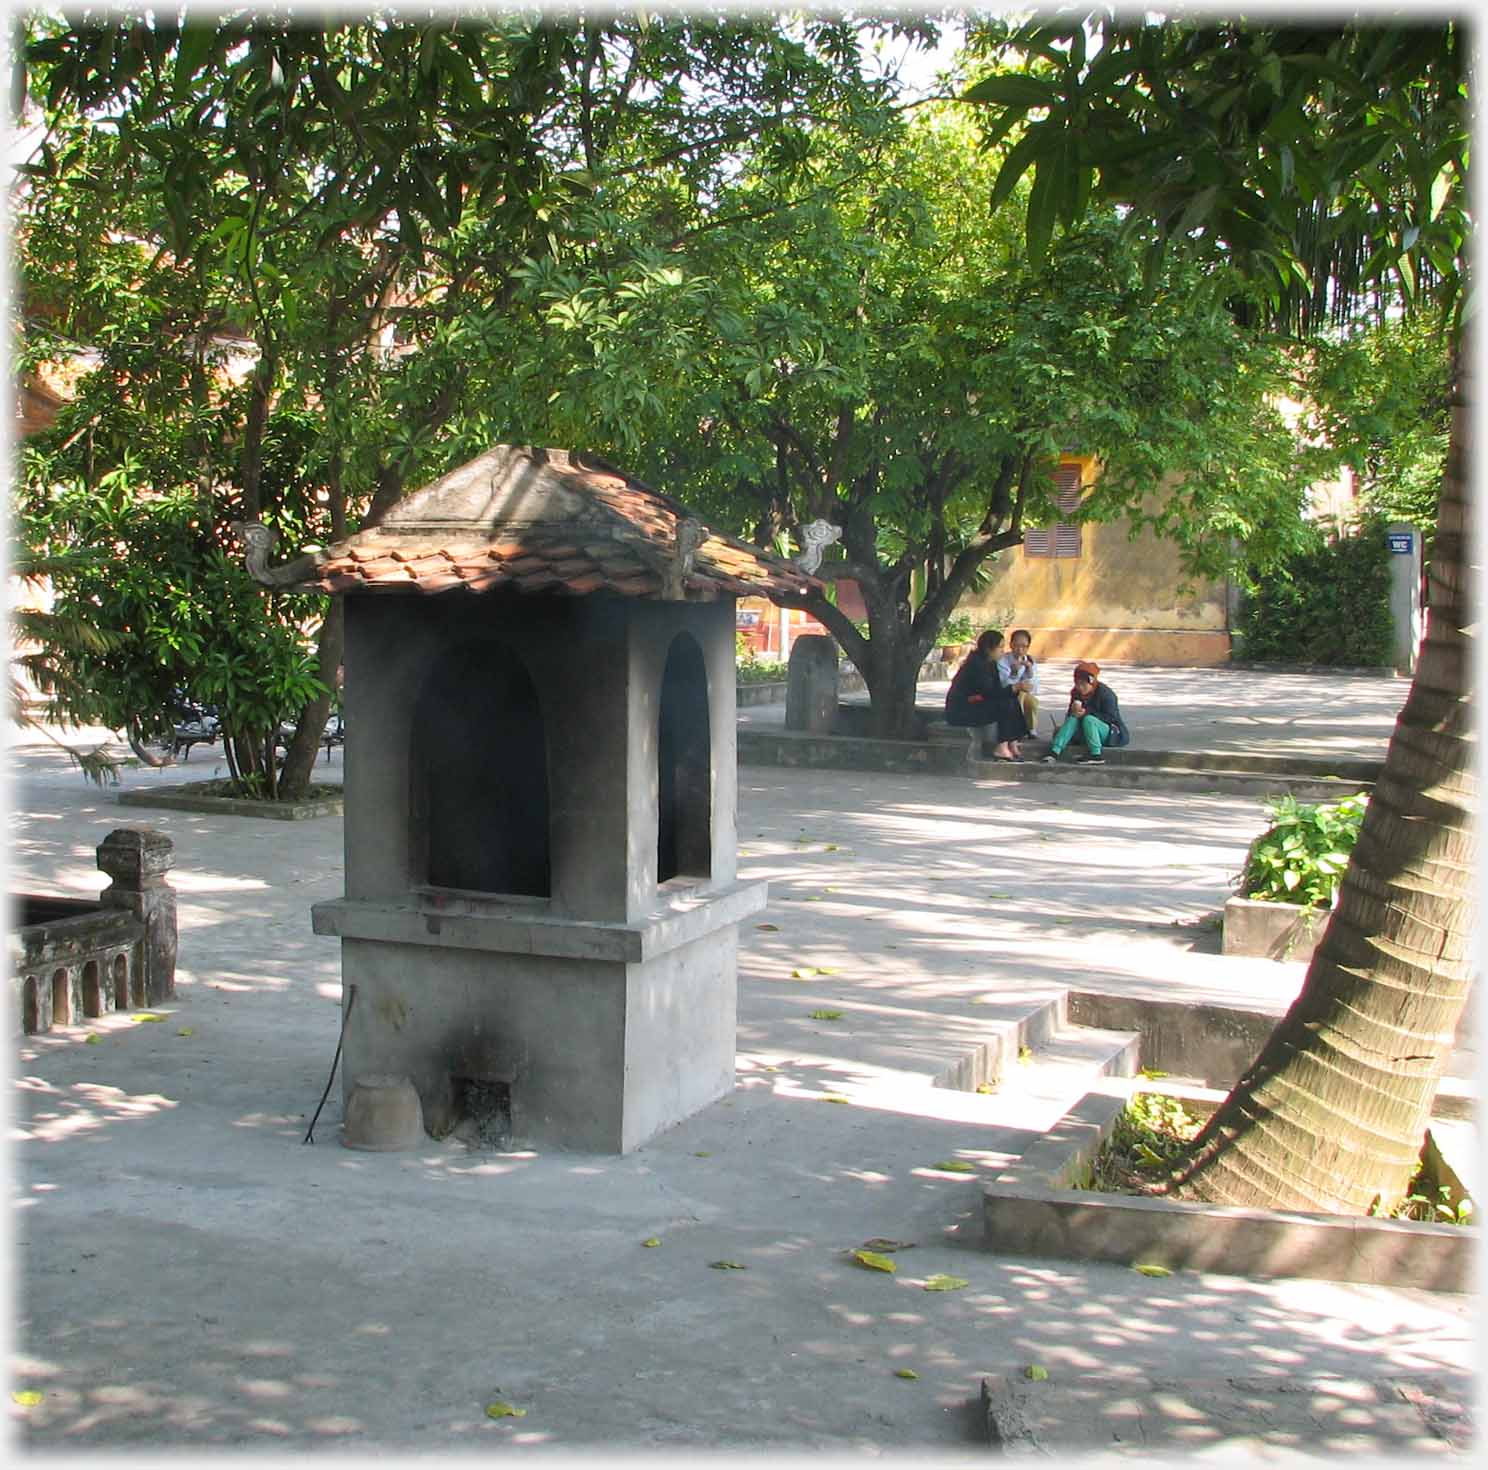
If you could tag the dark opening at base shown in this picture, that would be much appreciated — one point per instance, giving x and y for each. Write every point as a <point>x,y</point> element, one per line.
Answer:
<point>483,1111</point>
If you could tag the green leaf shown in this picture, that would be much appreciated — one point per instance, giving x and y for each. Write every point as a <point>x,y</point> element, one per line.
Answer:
<point>826,1015</point>
<point>1037,1373</point>
<point>942,1282</point>
<point>1150,1270</point>
<point>92,1038</point>
<point>652,1240</point>
<point>27,1397</point>
<point>727,1266</point>
<point>954,1166</point>
<point>149,1016</point>
<point>502,1410</point>
<point>834,1097</point>
<point>874,1261</point>
<point>1012,90</point>
<point>1014,166</point>
<point>906,1373</point>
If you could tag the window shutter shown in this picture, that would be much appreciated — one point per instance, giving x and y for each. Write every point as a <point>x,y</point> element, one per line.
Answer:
<point>1063,538</point>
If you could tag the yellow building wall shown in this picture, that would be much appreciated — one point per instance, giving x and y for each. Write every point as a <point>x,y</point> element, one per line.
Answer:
<point>1117,602</point>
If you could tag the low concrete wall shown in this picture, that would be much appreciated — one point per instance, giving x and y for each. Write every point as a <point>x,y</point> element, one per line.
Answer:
<point>190,797</point>
<point>1210,1044</point>
<point>849,753</point>
<point>747,695</point>
<point>1031,1210</point>
<point>1275,931</point>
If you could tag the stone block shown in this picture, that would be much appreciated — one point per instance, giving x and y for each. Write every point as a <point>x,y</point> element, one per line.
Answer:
<point>812,685</point>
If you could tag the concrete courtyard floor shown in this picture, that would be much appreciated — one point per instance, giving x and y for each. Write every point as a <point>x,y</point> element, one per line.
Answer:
<point>191,1276</point>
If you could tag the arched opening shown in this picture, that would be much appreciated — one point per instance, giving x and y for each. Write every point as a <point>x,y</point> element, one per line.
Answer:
<point>137,979</point>
<point>121,983</point>
<point>61,999</point>
<point>30,1011</point>
<point>480,772</point>
<point>684,773</point>
<point>92,990</point>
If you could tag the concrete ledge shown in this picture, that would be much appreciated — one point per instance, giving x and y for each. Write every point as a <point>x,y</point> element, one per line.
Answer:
<point>1252,1420</point>
<point>1213,1045</point>
<point>506,929</point>
<point>1274,931</point>
<point>192,798</point>
<point>1031,1210</point>
<point>846,752</point>
<point>747,695</point>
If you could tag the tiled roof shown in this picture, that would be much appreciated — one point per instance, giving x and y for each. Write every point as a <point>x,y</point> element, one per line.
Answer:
<point>542,520</point>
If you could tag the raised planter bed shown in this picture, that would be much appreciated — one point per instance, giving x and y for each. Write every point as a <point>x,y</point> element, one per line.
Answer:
<point>1273,931</point>
<point>1030,1209</point>
<point>204,796</point>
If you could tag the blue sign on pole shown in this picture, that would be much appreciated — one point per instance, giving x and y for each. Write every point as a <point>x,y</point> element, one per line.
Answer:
<point>1400,542</point>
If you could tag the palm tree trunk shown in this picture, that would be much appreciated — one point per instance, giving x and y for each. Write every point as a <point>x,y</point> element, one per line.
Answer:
<point>1330,1117</point>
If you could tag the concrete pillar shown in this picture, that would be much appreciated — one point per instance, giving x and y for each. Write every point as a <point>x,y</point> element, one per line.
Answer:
<point>1404,542</point>
<point>137,859</point>
<point>811,685</point>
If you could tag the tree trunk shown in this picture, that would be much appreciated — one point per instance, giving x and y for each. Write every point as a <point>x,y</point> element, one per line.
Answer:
<point>1331,1115</point>
<point>892,675</point>
<point>304,746</point>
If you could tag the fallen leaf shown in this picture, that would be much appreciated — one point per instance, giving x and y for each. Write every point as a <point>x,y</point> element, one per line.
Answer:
<point>999,895</point>
<point>941,1282</point>
<point>883,1243</point>
<point>1148,1270</point>
<point>955,1166</point>
<point>874,1261</point>
<point>769,928</point>
<point>1035,1372</point>
<point>826,1015</point>
<point>905,1373</point>
<point>92,1038</point>
<point>500,1410</point>
<point>804,972</point>
<point>148,1016</point>
<point>1151,1073</point>
<point>727,1266</point>
<point>27,1396</point>
<point>184,1031</point>
<point>652,1240</point>
<point>702,1153</point>
<point>831,847</point>
<point>985,1087</point>
<point>834,1097</point>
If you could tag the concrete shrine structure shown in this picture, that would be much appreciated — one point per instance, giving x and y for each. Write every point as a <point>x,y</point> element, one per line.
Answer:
<point>539,921</point>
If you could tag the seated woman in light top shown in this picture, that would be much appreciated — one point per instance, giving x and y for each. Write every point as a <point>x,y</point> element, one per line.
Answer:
<point>1019,672</point>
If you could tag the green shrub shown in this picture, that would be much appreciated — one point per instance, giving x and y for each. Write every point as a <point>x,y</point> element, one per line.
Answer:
<point>1146,1140</point>
<point>761,671</point>
<point>1329,604</point>
<point>958,629</point>
<point>1301,856</point>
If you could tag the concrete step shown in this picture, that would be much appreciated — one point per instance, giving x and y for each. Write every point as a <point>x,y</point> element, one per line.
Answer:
<point>1129,775</point>
<point>1069,1063</point>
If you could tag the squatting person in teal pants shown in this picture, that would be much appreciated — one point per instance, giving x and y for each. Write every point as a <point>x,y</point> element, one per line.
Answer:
<point>1094,717</point>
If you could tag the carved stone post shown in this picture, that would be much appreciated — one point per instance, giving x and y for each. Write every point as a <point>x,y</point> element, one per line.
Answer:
<point>811,685</point>
<point>137,859</point>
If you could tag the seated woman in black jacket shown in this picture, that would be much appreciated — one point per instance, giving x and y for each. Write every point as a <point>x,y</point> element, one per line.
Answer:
<point>978,698</point>
<point>1094,717</point>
